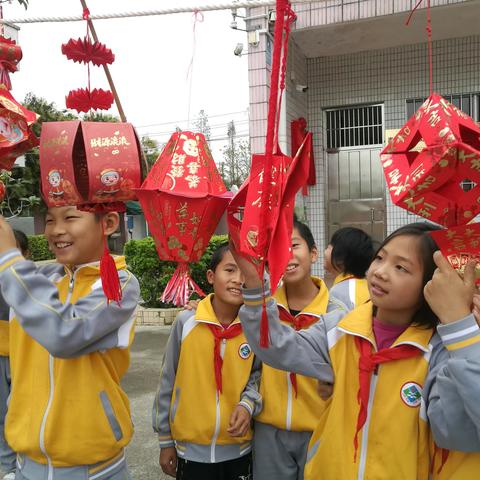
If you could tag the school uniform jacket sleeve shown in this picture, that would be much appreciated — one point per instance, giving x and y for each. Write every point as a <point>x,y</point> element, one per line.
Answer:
<point>66,330</point>
<point>163,398</point>
<point>304,352</point>
<point>251,398</point>
<point>452,388</point>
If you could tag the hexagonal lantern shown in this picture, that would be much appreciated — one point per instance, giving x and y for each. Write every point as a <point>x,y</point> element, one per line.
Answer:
<point>427,181</point>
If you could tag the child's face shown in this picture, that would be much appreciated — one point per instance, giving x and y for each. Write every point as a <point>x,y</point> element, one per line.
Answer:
<point>395,278</point>
<point>74,237</point>
<point>299,267</point>
<point>327,259</point>
<point>227,280</point>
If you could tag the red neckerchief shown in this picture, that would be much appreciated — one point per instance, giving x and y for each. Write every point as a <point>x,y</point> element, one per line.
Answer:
<point>220,333</point>
<point>298,322</point>
<point>367,364</point>
<point>444,457</point>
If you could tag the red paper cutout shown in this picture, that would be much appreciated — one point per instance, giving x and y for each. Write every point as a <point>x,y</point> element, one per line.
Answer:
<point>85,163</point>
<point>84,100</point>
<point>183,198</point>
<point>459,244</point>
<point>83,50</point>
<point>428,182</point>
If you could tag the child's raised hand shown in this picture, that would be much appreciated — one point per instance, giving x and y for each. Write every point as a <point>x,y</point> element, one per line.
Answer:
<point>239,422</point>
<point>7,238</point>
<point>168,460</point>
<point>325,390</point>
<point>191,305</point>
<point>450,296</point>
<point>251,278</point>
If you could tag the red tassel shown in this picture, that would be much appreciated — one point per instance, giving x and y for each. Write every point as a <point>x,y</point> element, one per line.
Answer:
<point>264,340</point>
<point>109,276</point>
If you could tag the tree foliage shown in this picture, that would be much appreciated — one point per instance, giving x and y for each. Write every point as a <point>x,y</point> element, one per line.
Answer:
<point>202,125</point>
<point>236,159</point>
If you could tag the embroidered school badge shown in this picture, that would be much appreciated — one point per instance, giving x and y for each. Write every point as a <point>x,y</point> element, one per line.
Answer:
<point>411,394</point>
<point>244,351</point>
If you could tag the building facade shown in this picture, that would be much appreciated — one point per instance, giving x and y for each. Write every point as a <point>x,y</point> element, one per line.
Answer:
<point>356,73</point>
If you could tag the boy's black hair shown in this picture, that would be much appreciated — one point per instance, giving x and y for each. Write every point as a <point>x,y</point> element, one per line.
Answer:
<point>305,233</point>
<point>424,316</point>
<point>22,240</point>
<point>352,251</point>
<point>218,254</point>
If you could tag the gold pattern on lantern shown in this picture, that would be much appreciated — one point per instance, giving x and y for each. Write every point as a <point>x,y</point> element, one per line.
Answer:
<point>182,210</point>
<point>182,227</point>
<point>114,141</point>
<point>56,141</point>
<point>193,167</point>
<point>193,181</point>
<point>178,159</point>
<point>173,242</point>
<point>252,238</point>
<point>195,220</point>
<point>177,171</point>
<point>430,180</point>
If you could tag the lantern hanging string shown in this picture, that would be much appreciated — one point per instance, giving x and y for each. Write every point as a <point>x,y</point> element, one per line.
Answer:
<point>197,18</point>
<point>429,35</point>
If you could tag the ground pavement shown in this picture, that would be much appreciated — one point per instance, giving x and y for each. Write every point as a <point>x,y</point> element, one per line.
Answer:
<point>140,384</point>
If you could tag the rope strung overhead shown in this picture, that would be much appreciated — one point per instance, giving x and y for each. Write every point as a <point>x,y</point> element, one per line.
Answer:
<point>148,13</point>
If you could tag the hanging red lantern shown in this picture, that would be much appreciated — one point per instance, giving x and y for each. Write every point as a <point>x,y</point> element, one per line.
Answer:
<point>89,163</point>
<point>84,100</point>
<point>16,135</point>
<point>427,179</point>
<point>183,198</point>
<point>10,55</point>
<point>83,50</point>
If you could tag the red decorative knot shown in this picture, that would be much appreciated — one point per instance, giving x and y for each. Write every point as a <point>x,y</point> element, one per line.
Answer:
<point>83,50</point>
<point>84,100</point>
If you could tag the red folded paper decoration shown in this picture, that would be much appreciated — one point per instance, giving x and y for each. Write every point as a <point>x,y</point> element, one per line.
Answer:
<point>85,163</point>
<point>16,135</point>
<point>260,235</point>
<point>459,245</point>
<point>428,182</point>
<point>86,51</point>
<point>83,50</point>
<point>183,198</point>
<point>298,133</point>
<point>10,55</point>
<point>84,100</point>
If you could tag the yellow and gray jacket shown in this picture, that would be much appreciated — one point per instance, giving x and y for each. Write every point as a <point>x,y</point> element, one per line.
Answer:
<point>350,291</point>
<point>281,407</point>
<point>188,412</point>
<point>394,442</point>
<point>452,393</point>
<point>4,328</point>
<point>69,349</point>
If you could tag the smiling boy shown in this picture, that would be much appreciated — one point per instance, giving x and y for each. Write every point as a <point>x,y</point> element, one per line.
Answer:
<point>68,417</point>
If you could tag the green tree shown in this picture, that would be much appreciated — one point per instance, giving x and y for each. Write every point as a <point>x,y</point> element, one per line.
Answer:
<point>202,125</point>
<point>151,150</point>
<point>236,159</point>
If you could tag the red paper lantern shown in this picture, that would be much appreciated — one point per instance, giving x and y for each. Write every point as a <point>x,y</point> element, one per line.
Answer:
<point>183,198</point>
<point>89,163</point>
<point>83,50</point>
<point>10,55</point>
<point>428,182</point>
<point>84,100</point>
<point>244,218</point>
<point>16,136</point>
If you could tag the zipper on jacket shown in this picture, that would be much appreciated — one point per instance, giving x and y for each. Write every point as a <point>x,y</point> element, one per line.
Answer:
<point>216,432</point>
<point>51,394</point>
<point>288,420</point>
<point>364,445</point>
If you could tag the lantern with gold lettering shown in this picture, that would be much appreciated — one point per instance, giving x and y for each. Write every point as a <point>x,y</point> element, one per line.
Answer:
<point>85,163</point>
<point>427,179</point>
<point>183,198</point>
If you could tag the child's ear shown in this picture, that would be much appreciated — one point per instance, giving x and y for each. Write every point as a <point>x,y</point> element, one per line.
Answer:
<point>314,254</point>
<point>110,220</point>
<point>210,276</point>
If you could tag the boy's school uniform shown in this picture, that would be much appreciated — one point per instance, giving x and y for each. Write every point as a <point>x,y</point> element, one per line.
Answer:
<point>189,411</point>
<point>8,458</point>
<point>69,349</point>
<point>350,291</point>
<point>394,438</point>
<point>291,403</point>
<point>452,393</point>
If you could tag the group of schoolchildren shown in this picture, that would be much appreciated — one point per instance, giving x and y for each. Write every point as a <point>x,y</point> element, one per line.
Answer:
<point>377,378</point>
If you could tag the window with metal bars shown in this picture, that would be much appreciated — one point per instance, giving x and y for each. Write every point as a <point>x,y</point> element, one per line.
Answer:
<point>467,102</point>
<point>354,126</point>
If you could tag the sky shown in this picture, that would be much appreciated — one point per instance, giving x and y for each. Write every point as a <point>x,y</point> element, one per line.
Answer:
<point>151,68</point>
